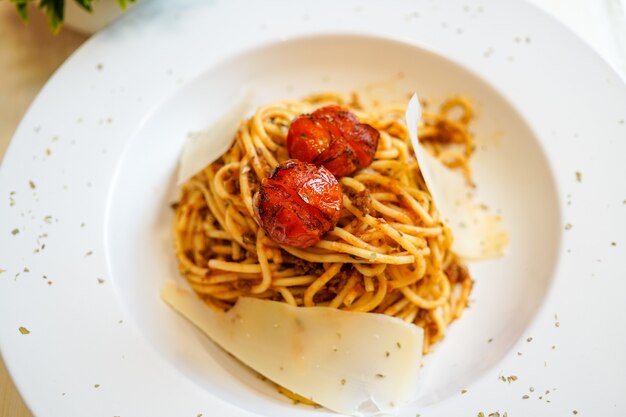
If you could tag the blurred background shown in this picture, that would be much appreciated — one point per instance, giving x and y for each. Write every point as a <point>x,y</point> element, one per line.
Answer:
<point>30,54</point>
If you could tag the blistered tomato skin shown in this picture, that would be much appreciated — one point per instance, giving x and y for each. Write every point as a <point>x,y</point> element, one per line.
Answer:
<point>333,137</point>
<point>307,139</point>
<point>298,203</point>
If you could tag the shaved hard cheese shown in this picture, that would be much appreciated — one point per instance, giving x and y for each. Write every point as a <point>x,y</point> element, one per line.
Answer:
<point>352,363</point>
<point>204,147</point>
<point>478,234</point>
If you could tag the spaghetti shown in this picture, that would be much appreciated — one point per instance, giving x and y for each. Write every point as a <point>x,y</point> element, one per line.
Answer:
<point>389,253</point>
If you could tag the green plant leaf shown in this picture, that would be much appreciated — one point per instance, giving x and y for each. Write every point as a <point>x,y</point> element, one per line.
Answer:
<point>85,4</point>
<point>22,8</point>
<point>124,3</point>
<point>54,9</point>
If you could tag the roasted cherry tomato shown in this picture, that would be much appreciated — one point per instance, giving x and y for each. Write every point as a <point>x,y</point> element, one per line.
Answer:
<point>333,137</point>
<point>298,203</point>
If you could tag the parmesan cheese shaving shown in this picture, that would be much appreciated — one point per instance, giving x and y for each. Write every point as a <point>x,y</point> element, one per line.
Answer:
<point>204,147</point>
<point>352,363</point>
<point>478,233</point>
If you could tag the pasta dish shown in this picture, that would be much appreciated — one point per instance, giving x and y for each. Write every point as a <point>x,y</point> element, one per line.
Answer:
<point>371,240</point>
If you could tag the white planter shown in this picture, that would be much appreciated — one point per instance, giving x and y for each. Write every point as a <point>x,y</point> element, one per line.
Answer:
<point>104,13</point>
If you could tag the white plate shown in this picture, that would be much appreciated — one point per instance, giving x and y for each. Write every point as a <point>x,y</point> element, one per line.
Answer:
<point>91,172</point>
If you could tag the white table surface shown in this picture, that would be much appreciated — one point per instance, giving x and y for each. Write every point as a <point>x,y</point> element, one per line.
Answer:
<point>29,56</point>
<point>601,23</point>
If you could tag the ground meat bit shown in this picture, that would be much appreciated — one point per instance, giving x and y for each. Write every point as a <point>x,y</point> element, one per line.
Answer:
<point>204,213</point>
<point>457,273</point>
<point>323,296</point>
<point>242,285</point>
<point>232,185</point>
<point>300,266</point>
<point>253,181</point>
<point>249,238</point>
<point>361,200</point>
